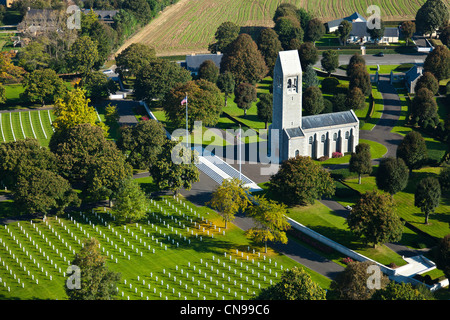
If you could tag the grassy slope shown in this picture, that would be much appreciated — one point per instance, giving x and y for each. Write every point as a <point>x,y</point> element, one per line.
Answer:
<point>189,26</point>
<point>159,263</point>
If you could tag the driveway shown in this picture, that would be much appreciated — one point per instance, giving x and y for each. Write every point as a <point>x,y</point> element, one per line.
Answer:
<point>381,133</point>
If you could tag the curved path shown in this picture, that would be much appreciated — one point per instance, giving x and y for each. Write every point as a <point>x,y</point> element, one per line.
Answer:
<point>381,133</point>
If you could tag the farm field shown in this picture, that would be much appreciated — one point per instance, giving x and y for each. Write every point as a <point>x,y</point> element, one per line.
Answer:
<point>26,124</point>
<point>177,252</point>
<point>189,26</point>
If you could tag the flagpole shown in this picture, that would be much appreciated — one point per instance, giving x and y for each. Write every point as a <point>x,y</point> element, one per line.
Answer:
<point>240,154</point>
<point>187,129</point>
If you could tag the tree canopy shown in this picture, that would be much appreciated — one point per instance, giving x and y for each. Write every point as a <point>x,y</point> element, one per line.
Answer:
<point>295,284</point>
<point>225,34</point>
<point>271,221</point>
<point>157,77</point>
<point>96,281</point>
<point>413,150</point>
<point>361,160</point>
<point>392,175</point>
<point>204,103</point>
<point>175,167</point>
<point>244,60</point>
<point>427,196</point>
<point>142,143</point>
<point>301,181</point>
<point>374,220</point>
<point>229,198</point>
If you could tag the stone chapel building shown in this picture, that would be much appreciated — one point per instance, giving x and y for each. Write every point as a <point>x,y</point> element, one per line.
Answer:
<point>314,136</point>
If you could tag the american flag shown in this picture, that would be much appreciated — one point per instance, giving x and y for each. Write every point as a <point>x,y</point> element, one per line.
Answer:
<point>184,101</point>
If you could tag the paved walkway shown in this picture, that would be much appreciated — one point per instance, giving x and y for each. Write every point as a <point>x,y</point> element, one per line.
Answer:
<point>381,133</point>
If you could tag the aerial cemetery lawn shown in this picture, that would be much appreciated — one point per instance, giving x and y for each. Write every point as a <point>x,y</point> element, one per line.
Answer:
<point>178,251</point>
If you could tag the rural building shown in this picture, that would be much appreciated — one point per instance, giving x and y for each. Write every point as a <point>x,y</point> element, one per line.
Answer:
<point>314,136</point>
<point>194,61</point>
<point>333,25</point>
<point>106,16</point>
<point>40,20</point>
<point>359,34</point>
<point>412,76</point>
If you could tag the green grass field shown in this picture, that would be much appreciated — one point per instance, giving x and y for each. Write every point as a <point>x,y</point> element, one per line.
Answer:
<point>26,124</point>
<point>321,219</point>
<point>439,222</point>
<point>159,257</point>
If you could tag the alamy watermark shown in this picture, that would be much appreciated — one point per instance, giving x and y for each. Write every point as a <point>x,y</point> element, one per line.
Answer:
<point>374,21</point>
<point>73,282</point>
<point>74,19</point>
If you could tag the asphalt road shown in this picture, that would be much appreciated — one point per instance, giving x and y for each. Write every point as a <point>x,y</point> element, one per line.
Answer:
<point>388,59</point>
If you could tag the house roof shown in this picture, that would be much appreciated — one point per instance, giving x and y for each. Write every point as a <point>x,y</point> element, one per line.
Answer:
<point>355,16</point>
<point>413,73</point>
<point>194,61</point>
<point>102,14</point>
<point>360,30</point>
<point>351,18</point>
<point>328,120</point>
<point>334,23</point>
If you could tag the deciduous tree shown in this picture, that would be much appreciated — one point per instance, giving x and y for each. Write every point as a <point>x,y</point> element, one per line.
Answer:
<point>374,220</point>
<point>229,198</point>
<point>269,45</point>
<point>301,181</point>
<point>351,284</point>
<point>427,196</point>
<point>204,103</point>
<point>361,160</point>
<point>175,167</point>
<point>40,191</point>
<point>244,96</point>
<point>330,61</point>
<point>130,202</point>
<point>314,30</point>
<point>308,54</point>
<point>423,105</point>
<point>226,84</point>
<point>442,255</point>
<point>225,34</point>
<point>271,221</point>
<point>43,86</point>
<point>413,150</point>
<point>96,281</point>
<point>429,81</point>
<point>438,62</point>
<point>142,143</point>
<point>295,284</point>
<point>355,100</point>
<point>343,31</point>
<point>209,71</point>
<point>313,101</point>
<point>431,16</point>
<point>157,77</point>
<point>392,175</point>
<point>265,108</point>
<point>408,28</point>
<point>130,60</point>
<point>244,60</point>
<point>74,109</point>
